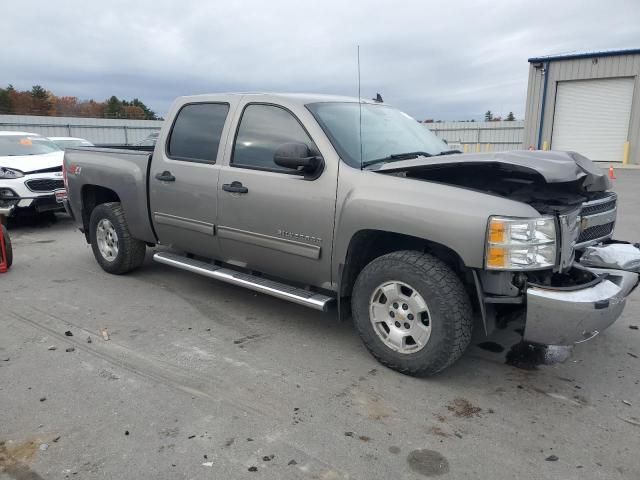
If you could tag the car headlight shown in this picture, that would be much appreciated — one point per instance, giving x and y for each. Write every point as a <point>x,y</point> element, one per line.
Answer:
<point>520,243</point>
<point>6,173</point>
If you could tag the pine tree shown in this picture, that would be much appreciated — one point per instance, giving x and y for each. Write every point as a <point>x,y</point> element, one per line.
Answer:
<point>510,118</point>
<point>488,117</point>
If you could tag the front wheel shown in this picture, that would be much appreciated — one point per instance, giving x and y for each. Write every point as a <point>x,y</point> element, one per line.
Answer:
<point>412,312</point>
<point>113,246</point>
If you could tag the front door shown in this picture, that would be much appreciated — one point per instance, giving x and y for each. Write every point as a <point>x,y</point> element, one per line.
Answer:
<point>184,175</point>
<point>270,218</point>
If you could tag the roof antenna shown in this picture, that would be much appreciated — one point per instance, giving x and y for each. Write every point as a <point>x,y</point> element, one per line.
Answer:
<point>360,107</point>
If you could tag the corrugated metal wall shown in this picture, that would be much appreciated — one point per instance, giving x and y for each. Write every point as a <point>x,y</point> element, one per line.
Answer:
<point>558,70</point>
<point>481,136</point>
<point>96,130</point>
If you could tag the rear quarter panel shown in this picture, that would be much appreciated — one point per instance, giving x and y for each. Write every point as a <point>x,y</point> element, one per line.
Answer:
<point>122,171</point>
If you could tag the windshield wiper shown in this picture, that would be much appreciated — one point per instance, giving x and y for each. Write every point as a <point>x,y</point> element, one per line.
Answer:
<point>397,156</point>
<point>448,152</point>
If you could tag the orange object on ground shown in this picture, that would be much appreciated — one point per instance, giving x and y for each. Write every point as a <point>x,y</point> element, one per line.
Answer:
<point>4,266</point>
<point>612,174</point>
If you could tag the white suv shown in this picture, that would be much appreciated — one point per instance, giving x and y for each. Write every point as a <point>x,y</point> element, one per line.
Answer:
<point>30,173</point>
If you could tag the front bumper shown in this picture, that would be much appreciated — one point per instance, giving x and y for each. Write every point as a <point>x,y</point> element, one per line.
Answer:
<point>562,316</point>
<point>21,197</point>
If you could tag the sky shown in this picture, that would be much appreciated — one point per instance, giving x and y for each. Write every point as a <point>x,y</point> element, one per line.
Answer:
<point>446,60</point>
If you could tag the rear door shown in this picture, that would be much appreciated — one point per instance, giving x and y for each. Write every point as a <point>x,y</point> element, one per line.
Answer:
<point>271,219</point>
<point>184,175</point>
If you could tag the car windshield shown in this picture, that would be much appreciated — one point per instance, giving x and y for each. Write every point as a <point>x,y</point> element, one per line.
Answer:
<point>387,133</point>
<point>16,145</point>
<point>72,142</point>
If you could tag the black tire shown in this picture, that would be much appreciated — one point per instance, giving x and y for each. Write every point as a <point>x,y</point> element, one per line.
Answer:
<point>451,319</point>
<point>7,245</point>
<point>130,252</point>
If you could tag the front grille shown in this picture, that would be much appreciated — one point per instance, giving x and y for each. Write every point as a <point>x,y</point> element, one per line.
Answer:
<point>605,206</point>
<point>44,184</point>
<point>598,231</point>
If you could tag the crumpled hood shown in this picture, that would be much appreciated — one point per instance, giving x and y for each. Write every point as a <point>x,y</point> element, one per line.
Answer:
<point>554,167</point>
<point>31,163</point>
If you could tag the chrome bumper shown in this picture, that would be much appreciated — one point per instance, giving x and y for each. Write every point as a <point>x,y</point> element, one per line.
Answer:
<point>563,316</point>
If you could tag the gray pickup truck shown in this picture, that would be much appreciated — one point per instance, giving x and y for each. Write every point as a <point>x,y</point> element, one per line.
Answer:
<point>325,200</point>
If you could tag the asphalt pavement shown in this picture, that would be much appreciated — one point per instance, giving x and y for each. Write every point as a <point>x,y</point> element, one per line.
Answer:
<point>199,379</point>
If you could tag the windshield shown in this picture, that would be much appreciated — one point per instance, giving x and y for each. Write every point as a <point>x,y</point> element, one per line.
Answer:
<point>15,145</point>
<point>75,142</point>
<point>386,131</point>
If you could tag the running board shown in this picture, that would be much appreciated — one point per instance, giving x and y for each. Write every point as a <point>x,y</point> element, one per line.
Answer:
<point>297,295</point>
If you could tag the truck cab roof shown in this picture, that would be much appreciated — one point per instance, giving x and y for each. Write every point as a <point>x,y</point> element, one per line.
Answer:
<point>285,98</point>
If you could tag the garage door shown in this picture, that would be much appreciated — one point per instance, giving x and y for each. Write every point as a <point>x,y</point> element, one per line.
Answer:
<point>592,117</point>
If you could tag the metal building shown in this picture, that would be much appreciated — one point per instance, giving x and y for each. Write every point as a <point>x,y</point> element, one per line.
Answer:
<point>585,102</point>
<point>97,130</point>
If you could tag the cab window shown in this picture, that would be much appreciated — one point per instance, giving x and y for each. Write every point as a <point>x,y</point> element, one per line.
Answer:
<point>263,128</point>
<point>196,132</point>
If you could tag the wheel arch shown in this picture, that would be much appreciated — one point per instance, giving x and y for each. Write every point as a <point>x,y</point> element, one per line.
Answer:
<point>368,244</point>
<point>92,196</point>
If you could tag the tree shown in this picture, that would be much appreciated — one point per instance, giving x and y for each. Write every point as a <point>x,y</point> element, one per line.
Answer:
<point>112,107</point>
<point>488,116</point>
<point>510,118</point>
<point>5,100</point>
<point>39,101</point>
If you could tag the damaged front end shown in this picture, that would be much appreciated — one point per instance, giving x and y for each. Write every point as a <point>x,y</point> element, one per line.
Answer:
<point>582,292</point>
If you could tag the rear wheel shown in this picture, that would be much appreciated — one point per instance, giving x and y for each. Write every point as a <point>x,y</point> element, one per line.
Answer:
<point>412,312</point>
<point>7,245</point>
<point>113,246</point>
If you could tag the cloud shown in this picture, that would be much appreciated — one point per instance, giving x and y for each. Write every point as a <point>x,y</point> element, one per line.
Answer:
<point>442,60</point>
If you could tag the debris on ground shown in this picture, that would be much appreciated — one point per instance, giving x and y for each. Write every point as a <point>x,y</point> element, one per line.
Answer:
<point>191,436</point>
<point>42,399</point>
<point>126,432</point>
<point>292,462</point>
<point>69,349</point>
<point>632,355</point>
<point>55,440</point>
<point>249,439</point>
<point>68,333</point>
<point>626,402</point>
<point>364,438</point>
<point>89,340</point>
<point>207,464</point>
<point>6,359</point>
<point>44,446</point>
<point>51,347</point>
<point>633,327</point>
<point>552,458</point>
<point>632,420</point>
<point>348,434</point>
<point>268,458</point>
<point>253,469</point>
<point>105,334</point>
<point>461,407</point>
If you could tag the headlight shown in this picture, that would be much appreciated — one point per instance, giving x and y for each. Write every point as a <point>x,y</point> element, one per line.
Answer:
<point>6,173</point>
<point>520,243</point>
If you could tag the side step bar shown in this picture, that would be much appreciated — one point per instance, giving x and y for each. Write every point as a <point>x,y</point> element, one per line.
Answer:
<point>297,295</point>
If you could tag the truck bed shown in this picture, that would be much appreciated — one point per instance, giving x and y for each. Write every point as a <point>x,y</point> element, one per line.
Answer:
<point>121,173</point>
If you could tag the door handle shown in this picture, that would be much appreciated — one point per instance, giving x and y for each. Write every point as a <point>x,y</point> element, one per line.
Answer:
<point>234,187</point>
<point>165,176</point>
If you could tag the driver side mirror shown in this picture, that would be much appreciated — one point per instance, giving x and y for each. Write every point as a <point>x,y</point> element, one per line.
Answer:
<point>298,156</point>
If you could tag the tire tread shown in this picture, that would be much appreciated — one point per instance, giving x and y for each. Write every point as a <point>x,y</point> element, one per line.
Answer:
<point>443,279</point>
